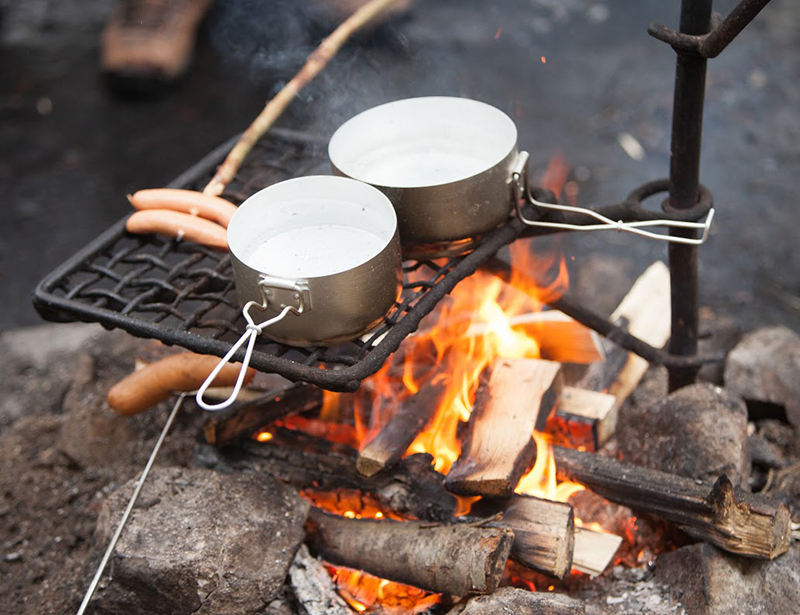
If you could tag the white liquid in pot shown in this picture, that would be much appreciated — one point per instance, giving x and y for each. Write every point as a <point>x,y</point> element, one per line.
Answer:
<point>313,251</point>
<point>425,164</point>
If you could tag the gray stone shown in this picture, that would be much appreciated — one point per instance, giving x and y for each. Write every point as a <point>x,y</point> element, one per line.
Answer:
<point>201,542</point>
<point>765,367</point>
<point>709,581</point>
<point>699,431</point>
<point>512,601</point>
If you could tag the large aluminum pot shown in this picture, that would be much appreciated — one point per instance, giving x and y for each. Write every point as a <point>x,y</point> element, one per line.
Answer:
<point>444,162</point>
<point>327,247</point>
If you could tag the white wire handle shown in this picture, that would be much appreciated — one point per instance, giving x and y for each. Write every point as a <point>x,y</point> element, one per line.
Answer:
<point>519,179</point>
<point>251,333</point>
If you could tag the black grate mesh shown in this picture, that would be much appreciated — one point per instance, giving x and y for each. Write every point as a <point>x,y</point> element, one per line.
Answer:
<point>183,293</point>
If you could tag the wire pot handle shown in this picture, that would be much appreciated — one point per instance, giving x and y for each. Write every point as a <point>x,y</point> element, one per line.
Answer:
<point>522,194</point>
<point>251,333</point>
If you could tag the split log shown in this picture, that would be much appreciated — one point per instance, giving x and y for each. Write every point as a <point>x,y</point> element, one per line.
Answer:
<point>510,600</point>
<point>587,418</point>
<point>453,559</point>
<point>560,337</point>
<point>645,313</point>
<point>411,487</point>
<point>313,587</point>
<point>593,551</point>
<point>733,520</point>
<point>518,398</point>
<point>243,419</point>
<point>389,445</point>
<point>543,531</point>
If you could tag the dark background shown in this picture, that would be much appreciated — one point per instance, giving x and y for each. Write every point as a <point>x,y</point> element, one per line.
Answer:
<point>70,151</point>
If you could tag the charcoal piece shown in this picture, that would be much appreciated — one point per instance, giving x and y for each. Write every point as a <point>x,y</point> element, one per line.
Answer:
<point>765,367</point>
<point>709,581</point>
<point>699,432</point>
<point>200,542</point>
<point>520,602</point>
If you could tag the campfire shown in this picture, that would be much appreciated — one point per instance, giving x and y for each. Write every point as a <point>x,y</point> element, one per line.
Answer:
<point>457,451</point>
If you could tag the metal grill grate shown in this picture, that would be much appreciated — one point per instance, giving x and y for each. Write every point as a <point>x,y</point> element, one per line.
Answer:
<point>182,293</point>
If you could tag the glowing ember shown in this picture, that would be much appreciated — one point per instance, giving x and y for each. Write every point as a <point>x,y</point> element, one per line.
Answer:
<point>264,436</point>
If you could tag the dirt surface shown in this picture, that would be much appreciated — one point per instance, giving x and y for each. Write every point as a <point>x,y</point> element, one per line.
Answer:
<point>58,464</point>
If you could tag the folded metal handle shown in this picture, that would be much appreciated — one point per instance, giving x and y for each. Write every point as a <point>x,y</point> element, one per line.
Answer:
<point>522,195</point>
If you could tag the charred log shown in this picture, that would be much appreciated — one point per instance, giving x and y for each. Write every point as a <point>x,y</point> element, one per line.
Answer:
<point>733,520</point>
<point>412,487</point>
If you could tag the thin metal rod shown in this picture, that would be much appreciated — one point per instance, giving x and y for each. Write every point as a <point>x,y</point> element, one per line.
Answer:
<point>684,181</point>
<point>729,29</point>
<point>131,503</point>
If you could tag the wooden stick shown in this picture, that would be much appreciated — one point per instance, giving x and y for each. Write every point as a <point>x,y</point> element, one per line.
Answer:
<point>593,551</point>
<point>731,519</point>
<point>389,445</point>
<point>244,419</point>
<point>454,559</point>
<point>543,531</point>
<point>411,487</point>
<point>518,397</point>
<point>275,107</point>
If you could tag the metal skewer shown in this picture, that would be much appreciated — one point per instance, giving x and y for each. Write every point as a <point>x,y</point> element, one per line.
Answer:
<point>131,503</point>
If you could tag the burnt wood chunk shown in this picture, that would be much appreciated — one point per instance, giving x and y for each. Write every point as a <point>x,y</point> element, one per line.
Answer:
<point>313,588</point>
<point>243,419</point>
<point>389,445</point>
<point>455,559</point>
<point>733,520</point>
<point>518,398</point>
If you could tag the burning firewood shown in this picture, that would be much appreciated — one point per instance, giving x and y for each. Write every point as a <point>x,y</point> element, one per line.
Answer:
<point>518,397</point>
<point>543,531</point>
<point>731,519</point>
<point>388,446</point>
<point>455,559</point>
<point>411,487</point>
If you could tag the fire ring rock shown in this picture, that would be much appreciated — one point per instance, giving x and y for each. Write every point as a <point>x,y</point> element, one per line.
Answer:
<point>200,542</point>
<point>699,431</point>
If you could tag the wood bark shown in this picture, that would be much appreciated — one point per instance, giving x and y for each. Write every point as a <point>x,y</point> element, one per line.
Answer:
<point>412,487</point>
<point>498,449</point>
<point>389,445</point>
<point>455,559</point>
<point>243,419</point>
<point>731,519</point>
<point>543,531</point>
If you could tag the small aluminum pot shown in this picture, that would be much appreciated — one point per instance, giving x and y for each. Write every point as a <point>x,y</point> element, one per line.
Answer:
<point>445,163</point>
<point>323,249</point>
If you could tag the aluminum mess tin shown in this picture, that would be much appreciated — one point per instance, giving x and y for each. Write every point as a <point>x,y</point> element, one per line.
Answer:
<point>444,162</point>
<point>326,246</point>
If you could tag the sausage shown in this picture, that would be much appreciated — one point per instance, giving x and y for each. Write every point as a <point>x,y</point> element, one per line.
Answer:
<point>176,224</point>
<point>192,202</point>
<point>181,372</point>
